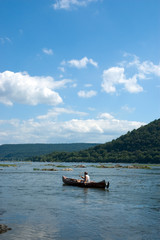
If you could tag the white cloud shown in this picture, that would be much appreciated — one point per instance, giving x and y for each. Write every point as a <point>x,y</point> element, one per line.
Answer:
<point>148,68</point>
<point>62,69</point>
<point>87,94</point>
<point>68,4</point>
<point>47,51</point>
<point>88,85</point>
<point>62,83</point>
<point>106,116</point>
<point>127,108</point>
<point>111,77</point>
<point>117,76</point>
<point>22,88</point>
<point>132,86</point>
<point>82,63</point>
<point>143,68</point>
<point>4,40</point>
<point>46,130</point>
<point>55,112</point>
<point>91,109</point>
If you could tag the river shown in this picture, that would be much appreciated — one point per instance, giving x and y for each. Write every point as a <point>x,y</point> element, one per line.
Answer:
<point>36,204</point>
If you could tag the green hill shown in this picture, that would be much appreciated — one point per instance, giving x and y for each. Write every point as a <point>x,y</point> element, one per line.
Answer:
<point>23,151</point>
<point>138,146</point>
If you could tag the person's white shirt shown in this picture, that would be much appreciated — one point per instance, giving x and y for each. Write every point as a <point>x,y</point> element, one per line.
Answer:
<point>87,178</point>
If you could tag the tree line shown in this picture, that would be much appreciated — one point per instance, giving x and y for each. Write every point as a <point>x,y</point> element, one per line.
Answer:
<point>138,146</point>
<point>20,152</point>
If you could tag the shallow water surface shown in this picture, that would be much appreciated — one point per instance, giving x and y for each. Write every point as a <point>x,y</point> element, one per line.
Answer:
<point>36,204</point>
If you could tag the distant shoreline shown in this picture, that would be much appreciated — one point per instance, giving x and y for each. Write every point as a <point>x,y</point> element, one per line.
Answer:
<point>49,166</point>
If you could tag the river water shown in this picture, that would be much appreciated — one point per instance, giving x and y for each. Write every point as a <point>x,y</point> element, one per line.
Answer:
<point>36,204</point>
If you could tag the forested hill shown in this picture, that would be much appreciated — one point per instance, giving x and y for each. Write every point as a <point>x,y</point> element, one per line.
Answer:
<point>140,146</point>
<point>22,151</point>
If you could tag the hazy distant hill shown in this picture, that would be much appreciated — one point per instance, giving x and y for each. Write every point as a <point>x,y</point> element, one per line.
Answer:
<point>22,151</point>
<point>141,145</point>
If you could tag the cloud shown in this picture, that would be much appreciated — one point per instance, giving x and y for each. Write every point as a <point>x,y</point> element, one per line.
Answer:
<point>47,51</point>
<point>45,129</point>
<point>88,85</point>
<point>62,69</point>
<point>24,89</point>
<point>148,68</point>
<point>87,94</point>
<point>4,40</point>
<point>106,116</point>
<point>117,76</point>
<point>82,63</point>
<point>143,68</point>
<point>55,112</point>
<point>69,4</point>
<point>127,109</point>
<point>111,77</point>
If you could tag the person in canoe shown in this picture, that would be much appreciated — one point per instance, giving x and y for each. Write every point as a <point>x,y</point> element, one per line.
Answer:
<point>86,177</point>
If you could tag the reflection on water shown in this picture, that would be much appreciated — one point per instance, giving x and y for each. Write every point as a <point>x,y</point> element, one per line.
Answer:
<point>36,205</point>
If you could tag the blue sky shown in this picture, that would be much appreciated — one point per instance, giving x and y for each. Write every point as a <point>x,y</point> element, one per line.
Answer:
<point>77,70</point>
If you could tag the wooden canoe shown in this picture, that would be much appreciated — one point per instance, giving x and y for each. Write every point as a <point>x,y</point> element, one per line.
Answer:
<point>80,183</point>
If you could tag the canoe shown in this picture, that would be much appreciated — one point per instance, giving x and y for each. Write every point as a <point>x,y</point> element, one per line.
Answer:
<point>80,183</point>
